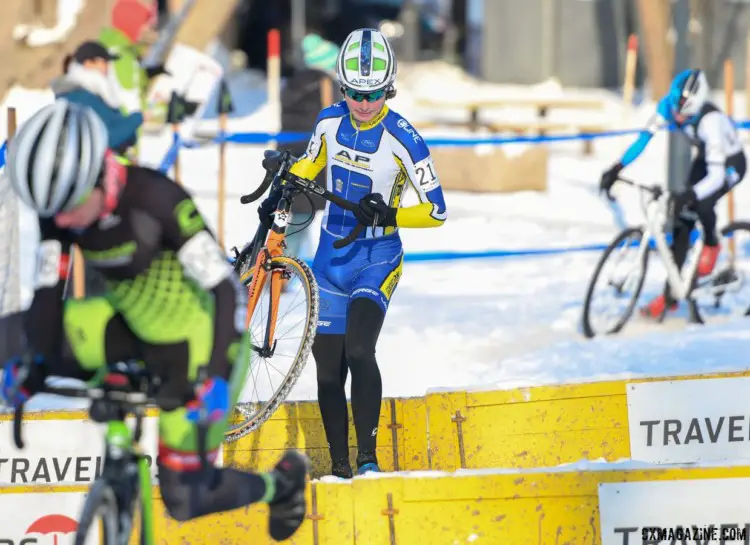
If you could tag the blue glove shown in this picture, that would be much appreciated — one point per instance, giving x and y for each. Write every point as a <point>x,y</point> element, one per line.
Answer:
<point>211,402</point>
<point>16,392</point>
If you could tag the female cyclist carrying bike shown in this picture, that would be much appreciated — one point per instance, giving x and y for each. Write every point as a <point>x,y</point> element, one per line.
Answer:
<point>718,166</point>
<point>370,153</point>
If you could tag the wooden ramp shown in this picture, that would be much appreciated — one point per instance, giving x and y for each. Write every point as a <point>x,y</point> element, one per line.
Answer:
<point>206,20</point>
<point>35,67</point>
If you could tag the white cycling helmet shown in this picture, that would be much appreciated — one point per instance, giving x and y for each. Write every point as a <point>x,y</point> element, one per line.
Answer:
<point>689,92</point>
<point>57,156</point>
<point>366,62</point>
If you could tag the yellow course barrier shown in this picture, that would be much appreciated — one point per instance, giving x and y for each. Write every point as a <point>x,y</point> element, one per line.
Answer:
<point>550,425</point>
<point>524,507</point>
<point>531,427</point>
<point>520,428</point>
<point>402,437</point>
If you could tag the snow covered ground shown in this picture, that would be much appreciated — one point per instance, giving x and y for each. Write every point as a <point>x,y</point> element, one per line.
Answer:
<point>489,323</point>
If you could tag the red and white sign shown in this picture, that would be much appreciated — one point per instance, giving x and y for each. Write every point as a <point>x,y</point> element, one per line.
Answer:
<point>42,519</point>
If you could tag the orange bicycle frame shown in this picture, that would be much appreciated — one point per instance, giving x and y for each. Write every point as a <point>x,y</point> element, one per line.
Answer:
<point>274,247</point>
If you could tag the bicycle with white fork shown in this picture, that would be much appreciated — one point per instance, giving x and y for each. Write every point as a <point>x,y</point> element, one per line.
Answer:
<point>717,291</point>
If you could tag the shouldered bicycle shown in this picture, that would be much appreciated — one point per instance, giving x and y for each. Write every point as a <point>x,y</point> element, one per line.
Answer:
<point>267,273</point>
<point>628,256</point>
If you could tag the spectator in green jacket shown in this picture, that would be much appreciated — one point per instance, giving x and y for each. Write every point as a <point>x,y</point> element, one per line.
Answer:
<point>86,81</point>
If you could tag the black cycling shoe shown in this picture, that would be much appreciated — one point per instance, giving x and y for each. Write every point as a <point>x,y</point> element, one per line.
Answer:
<point>342,469</point>
<point>288,507</point>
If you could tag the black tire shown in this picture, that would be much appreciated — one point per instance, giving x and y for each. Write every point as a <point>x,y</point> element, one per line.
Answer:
<point>243,264</point>
<point>630,232</point>
<point>101,508</point>
<point>730,229</point>
<point>249,422</point>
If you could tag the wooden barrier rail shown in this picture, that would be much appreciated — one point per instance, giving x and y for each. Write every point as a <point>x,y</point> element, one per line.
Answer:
<point>541,125</point>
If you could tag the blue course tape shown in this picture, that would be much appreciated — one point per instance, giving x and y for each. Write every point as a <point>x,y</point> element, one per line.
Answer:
<point>484,254</point>
<point>171,156</point>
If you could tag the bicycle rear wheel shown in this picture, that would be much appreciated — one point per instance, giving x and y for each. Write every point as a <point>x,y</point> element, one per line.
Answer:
<point>99,518</point>
<point>622,251</point>
<point>274,370</point>
<point>725,293</point>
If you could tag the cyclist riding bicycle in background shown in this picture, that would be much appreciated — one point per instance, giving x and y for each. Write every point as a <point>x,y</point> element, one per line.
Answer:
<point>173,302</point>
<point>718,166</point>
<point>370,153</point>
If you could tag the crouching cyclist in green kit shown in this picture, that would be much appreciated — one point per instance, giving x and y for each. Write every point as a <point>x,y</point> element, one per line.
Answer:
<point>172,302</point>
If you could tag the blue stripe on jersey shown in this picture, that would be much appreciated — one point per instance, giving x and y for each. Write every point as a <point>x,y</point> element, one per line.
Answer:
<point>402,131</point>
<point>435,196</point>
<point>352,186</point>
<point>339,109</point>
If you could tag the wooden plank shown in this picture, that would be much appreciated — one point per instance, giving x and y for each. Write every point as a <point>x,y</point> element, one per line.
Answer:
<point>518,126</point>
<point>206,20</point>
<point>35,67</point>
<point>516,102</point>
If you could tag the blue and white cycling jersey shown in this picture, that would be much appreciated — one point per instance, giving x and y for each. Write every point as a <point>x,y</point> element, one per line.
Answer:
<point>711,131</point>
<point>381,156</point>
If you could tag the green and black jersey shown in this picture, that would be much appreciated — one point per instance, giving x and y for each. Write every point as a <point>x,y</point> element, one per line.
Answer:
<point>166,276</point>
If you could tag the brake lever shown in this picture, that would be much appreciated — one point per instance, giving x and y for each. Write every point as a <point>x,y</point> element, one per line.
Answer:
<point>351,237</point>
<point>23,374</point>
<point>17,427</point>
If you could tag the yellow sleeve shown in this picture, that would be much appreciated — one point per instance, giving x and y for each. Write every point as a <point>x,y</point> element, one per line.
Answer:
<point>420,215</point>
<point>430,212</point>
<point>309,167</point>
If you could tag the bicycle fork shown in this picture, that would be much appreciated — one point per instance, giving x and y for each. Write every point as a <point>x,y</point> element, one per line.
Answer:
<point>264,266</point>
<point>130,479</point>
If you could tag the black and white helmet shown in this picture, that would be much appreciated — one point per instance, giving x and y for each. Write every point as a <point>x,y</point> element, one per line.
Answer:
<point>57,157</point>
<point>366,62</point>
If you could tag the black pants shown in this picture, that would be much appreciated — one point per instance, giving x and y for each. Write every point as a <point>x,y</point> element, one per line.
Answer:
<point>703,209</point>
<point>353,351</point>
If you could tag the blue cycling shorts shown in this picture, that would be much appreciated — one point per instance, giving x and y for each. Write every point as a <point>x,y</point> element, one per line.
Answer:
<point>368,268</point>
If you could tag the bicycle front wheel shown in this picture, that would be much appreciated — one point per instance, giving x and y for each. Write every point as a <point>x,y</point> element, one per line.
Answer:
<point>99,518</point>
<point>622,273</point>
<point>287,311</point>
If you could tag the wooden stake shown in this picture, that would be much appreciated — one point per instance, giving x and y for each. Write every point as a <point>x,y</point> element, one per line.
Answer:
<point>326,92</point>
<point>11,122</point>
<point>747,76</point>
<point>729,99</point>
<point>628,86</point>
<point>177,177</point>
<point>273,70</point>
<point>222,178</point>
<point>79,274</point>
<point>654,17</point>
